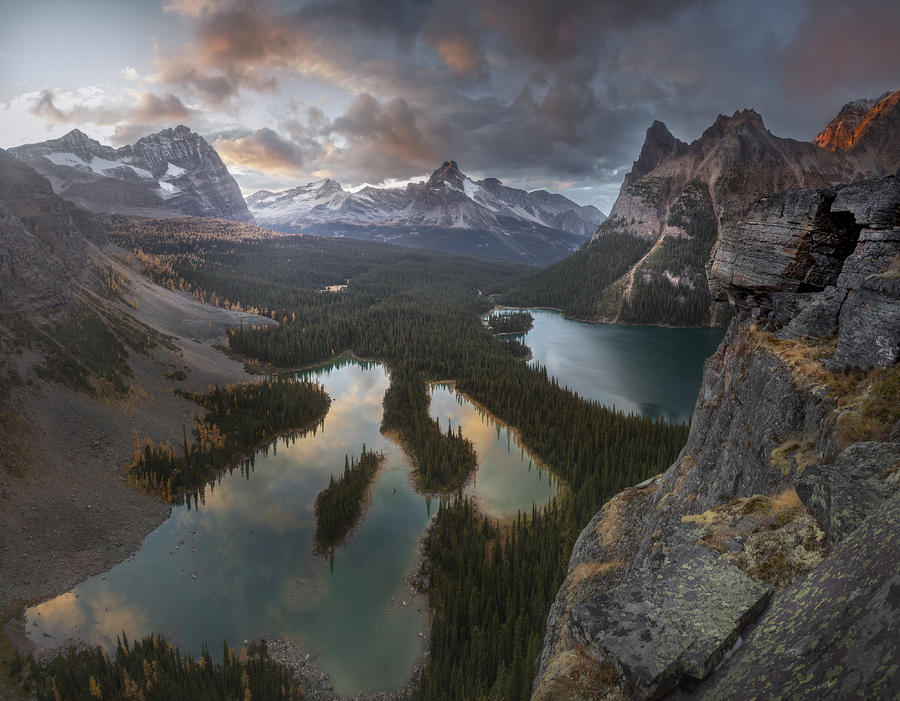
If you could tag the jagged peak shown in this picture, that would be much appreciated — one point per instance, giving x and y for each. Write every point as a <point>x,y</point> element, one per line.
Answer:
<point>76,134</point>
<point>76,137</point>
<point>326,184</point>
<point>448,172</point>
<point>854,119</point>
<point>740,118</point>
<point>659,145</point>
<point>181,132</point>
<point>659,130</point>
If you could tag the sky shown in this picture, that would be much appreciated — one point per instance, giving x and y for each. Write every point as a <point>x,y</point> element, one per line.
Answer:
<point>553,94</point>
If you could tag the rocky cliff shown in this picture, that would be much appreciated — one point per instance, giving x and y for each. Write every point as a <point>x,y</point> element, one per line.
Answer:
<point>174,172</point>
<point>763,562</point>
<point>679,197</point>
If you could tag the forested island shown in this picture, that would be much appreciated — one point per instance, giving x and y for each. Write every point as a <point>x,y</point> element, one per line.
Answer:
<point>340,505</point>
<point>238,420</point>
<point>512,322</point>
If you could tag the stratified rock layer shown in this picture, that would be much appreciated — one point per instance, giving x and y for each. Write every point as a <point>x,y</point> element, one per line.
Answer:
<point>794,449</point>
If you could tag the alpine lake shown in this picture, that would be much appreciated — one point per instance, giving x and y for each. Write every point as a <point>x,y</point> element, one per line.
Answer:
<point>239,564</point>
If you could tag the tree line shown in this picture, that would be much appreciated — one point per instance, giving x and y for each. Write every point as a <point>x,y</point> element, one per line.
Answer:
<point>152,669</point>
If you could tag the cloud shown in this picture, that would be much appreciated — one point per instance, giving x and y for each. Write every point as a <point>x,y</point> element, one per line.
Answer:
<point>264,150</point>
<point>155,108</point>
<point>532,91</point>
<point>843,48</point>
<point>104,107</point>
<point>452,31</point>
<point>46,108</point>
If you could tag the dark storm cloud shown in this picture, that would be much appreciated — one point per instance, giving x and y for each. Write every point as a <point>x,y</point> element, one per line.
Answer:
<point>520,88</point>
<point>841,46</point>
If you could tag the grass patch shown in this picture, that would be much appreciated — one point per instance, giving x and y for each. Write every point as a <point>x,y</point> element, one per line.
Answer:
<point>778,538</point>
<point>868,401</point>
<point>875,408</point>
<point>793,456</point>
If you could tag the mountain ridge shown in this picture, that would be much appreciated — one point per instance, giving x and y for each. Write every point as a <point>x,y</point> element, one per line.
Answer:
<point>173,172</point>
<point>485,216</point>
<point>680,196</point>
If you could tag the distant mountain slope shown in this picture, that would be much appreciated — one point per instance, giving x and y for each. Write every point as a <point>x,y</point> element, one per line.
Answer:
<point>678,196</point>
<point>449,211</point>
<point>174,172</point>
<point>867,128</point>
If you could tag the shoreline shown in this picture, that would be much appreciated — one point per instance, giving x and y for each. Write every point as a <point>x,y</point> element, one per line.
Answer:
<point>500,520</point>
<point>500,307</point>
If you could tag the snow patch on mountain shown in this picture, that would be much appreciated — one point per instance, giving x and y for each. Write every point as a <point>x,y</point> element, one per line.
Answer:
<point>65,159</point>
<point>138,178</point>
<point>448,199</point>
<point>173,171</point>
<point>102,165</point>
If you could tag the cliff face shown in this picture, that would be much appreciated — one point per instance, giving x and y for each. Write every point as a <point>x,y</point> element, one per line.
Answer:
<point>763,560</point>
<point>174,172</point>
<point>43,241</point>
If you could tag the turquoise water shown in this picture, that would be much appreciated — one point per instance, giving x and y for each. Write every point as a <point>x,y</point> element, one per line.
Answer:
<point>650,370</point>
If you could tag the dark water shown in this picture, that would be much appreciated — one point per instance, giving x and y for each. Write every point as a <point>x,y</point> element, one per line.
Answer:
<point>649,370</point>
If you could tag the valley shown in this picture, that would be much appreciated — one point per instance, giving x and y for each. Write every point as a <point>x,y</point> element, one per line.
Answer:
<point>288,411</point>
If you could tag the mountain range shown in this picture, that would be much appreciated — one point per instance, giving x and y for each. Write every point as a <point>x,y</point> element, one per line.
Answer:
<point>645,263</point>
<point>174,172</point>
<point>449,211</point>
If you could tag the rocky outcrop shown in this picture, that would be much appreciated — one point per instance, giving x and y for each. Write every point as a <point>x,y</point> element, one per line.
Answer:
<point>831,635</point>
<point>730,575</point>
<point>174,172</point>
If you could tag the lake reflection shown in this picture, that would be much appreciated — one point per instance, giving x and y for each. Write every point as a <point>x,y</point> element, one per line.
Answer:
<point>508,478</point>
<point>241,566</point>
